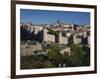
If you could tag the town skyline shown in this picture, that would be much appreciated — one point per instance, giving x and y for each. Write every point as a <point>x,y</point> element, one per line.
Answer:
<point>50,17</point>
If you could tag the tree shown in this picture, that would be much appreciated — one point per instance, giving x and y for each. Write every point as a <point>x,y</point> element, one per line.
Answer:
<point>66,59</point>
<point>54,54</point>
<point>77,55</point>
<point>86,58</point>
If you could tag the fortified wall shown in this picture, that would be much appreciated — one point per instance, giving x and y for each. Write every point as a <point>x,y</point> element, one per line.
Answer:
<point>50,37</point>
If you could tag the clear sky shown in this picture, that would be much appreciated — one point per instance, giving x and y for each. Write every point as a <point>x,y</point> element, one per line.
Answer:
<point>49,16</point>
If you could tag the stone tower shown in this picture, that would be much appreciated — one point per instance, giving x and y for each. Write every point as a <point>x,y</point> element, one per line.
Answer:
<point>89,40</point>
<point>74,39</point>
<point>60,38</point>
<point>44,34</point>
<point>85,34</point>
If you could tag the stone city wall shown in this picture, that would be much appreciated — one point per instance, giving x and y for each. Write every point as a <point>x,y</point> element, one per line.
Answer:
<point>50,37</point>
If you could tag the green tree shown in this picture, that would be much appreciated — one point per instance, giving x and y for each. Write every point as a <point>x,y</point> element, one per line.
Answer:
<point>86,58</point>
<point>66,59</point>
<point>77,55</point>
<point>54,54</point>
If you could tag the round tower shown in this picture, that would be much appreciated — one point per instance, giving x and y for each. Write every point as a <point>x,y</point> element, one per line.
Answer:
<point>44,34</point>
<point>74,39</point>
<point>60,38</point>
